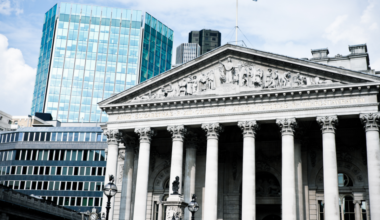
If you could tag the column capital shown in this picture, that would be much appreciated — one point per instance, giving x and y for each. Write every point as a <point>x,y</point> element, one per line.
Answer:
<point>328,123</point>
<point>178,132</point>
<point>287,125</point>
<point>357,202</point>
<point>370,121</point>
<point>249,128</point>
<point>113,136</point>
<point>212,129</point>
<point>145,134</point>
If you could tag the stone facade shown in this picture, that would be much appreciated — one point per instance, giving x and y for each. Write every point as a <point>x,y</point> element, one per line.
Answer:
<point>254,135</point>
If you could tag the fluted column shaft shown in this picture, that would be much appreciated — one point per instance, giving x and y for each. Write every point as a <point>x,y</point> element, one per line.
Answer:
<point>371,123</point>
<point>330,168</point>
<point>178,132</point>
<point>211,191</point>
<point>249,170</point>
<point>288,195</point>
<point>141,194</point>
<point>113,139</point>
<point>126,191</point>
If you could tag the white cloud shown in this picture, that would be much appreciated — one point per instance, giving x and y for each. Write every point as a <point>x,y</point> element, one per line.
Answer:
<point>17,80</point>
<point>8,6</point>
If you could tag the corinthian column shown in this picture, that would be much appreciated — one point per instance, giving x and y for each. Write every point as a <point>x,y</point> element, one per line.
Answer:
<point>330,169</point>
<point>126,190</point>
<point>288,195</point>
<point>249,171</point>
<point>113,139</point>
<point>178,135</point>
<point>211,191</point>
<point>371,125</point>
<point>141,194</point>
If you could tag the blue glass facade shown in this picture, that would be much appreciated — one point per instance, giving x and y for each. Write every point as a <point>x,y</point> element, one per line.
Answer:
<point>44,60</point>
<point>157,48</point>
<point>63,165</point>
<point>96,52</point>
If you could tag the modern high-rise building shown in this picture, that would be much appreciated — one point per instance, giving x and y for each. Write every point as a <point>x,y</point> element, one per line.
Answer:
<point>186,52</point>
<point>207,39</point>
<point>88,53</point>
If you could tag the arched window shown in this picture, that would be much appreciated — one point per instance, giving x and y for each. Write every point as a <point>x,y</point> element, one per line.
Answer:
<point>347,208</point>
<point>344,180</point>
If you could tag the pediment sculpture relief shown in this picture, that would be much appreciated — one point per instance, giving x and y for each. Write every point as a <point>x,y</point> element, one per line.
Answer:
<point>232,76</point>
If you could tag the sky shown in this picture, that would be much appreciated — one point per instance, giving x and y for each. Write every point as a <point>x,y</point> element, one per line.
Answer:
<point>291,27</point>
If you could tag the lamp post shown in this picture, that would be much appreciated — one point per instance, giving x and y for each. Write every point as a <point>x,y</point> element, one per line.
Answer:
<point>193,206</point>
<point>109,190</point>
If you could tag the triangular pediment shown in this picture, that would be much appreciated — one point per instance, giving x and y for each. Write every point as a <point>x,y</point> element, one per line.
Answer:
<point>233,69</point>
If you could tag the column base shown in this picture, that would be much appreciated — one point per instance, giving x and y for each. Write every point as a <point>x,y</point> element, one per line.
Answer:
<point>174,207</point>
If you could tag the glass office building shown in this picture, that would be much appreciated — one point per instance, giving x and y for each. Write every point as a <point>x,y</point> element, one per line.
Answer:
<point>88,53</point>
<point>157,48</point>
<point>63,165</point>
<point>186,52</point>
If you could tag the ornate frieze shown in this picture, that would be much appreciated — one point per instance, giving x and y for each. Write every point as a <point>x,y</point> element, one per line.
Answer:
<point>287,125</point>
<point>370,121</point>
<point>249,128</point>
<point>328,123</point>
<point>232,75</point>
<point>178,131</point>
<point>113,136</point>
<point>145,134</point>
<point>212,129</point>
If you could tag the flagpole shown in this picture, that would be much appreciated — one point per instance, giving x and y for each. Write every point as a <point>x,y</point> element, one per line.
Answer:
<point>236,33</point>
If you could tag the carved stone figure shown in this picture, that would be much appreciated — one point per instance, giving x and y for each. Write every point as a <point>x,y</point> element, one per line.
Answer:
<point>211,80</point>
<point>258,79</point>
<point>159,94</point>
<point>229,70</point>
<point>189,88</point>
<point>182,87</point>
<point>235,78</point>
<point>244,80</point>
<point>195,85</point>
<point>203,82</point>
<point>298,80</point>
<point>284,79</point>
<point>222,75</point>
<point>272,79</point>
<point>175,186</point>
<point>170,91</point>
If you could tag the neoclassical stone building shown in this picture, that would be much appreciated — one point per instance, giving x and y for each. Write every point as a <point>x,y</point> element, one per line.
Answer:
<point>254,135</point>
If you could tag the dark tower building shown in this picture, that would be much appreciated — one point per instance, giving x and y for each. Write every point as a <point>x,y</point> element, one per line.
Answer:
<point>207,39</point>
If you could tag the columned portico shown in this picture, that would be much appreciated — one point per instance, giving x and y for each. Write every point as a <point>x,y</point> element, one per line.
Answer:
<point>249,171</point>
<point>263,175</point>
<point>288,196</point>
<point>211,191</point>
<point>371,125</point>
<point>330,169</point>
<point>142,173</point>
<point>113,139</point>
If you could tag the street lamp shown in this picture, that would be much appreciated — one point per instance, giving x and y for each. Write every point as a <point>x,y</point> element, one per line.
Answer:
<point>109,190</point>
<point>193,206</point>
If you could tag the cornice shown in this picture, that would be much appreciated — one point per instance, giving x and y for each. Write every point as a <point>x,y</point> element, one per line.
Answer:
<point>250,97</point>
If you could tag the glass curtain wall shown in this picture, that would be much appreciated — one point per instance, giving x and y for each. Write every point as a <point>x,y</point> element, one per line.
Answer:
<point>95,55</point>
<point>157,48</point>
<point>44,60</point>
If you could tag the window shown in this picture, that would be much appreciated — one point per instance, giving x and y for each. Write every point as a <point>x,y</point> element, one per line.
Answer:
<point>67,201</point>
<point>60,200</point>
<point>347,208</point>
<point>59,136</point>
<point>84,202</point>
<point>64,171</point>
<point>74,155</point>
<point>87,136</point>
<point>37,136</point>
<point>51,185</point>
<point>52,171</point>
<point>76,169</point>
<point>68,186</point>
<point>41,171</point>
<point>70,137</point>
<point>53,136</point>
<point>82,136</point>
<point>30,170</point>
<point>99,137</point>
<point>75,185</point>
<point>93,137</point>
<point>80,186</point>
<point>86,186</point>
<point>27,185</point>
<point>92,186</point>
<point>64,136</point>
<point>76,136</point>
<point>93,171</point>
<point>63,185</point>
<point>48,134</point>
<point>344,180</point>
<point>56,185</point>
<point>42,137</point>
<point>31,136</point>
<point>70,171</point>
